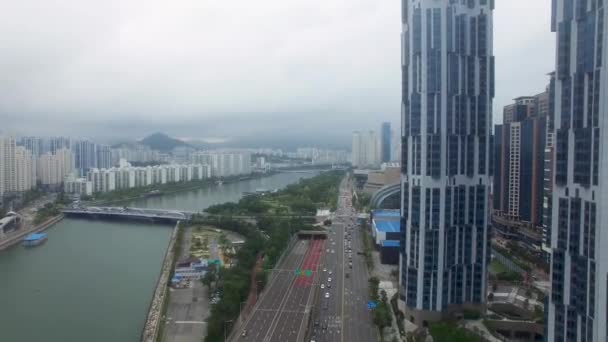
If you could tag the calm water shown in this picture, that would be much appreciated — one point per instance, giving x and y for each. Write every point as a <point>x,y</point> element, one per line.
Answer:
<point>200,199</point>
<point>93,280</point>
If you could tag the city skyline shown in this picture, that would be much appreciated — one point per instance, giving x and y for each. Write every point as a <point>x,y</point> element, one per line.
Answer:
<point>433,161</point>
<point>121,97</point>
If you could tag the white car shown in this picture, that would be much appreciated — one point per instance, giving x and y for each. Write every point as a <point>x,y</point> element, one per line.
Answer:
<point>322,286</point>
<point>329,280</point>
<point>327,250</point>
<point>326,294</point>
<point>330,273</point>
<point>325,270</point>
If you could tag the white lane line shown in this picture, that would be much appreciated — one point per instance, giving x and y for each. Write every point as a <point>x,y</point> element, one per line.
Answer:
<point>190,322</point>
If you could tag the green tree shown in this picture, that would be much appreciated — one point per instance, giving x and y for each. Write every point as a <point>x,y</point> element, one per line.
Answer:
<point>208,279</point>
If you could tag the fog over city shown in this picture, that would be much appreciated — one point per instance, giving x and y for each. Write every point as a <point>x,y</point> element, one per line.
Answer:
<point>222,70</point>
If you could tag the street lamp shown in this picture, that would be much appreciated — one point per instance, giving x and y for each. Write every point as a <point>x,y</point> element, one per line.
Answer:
<point>225,336</point>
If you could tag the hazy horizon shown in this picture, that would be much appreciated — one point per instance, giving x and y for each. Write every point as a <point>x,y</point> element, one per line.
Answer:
<point>272,72</point>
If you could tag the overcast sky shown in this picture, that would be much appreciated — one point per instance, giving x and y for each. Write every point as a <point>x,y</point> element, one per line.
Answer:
<point>229,68</point>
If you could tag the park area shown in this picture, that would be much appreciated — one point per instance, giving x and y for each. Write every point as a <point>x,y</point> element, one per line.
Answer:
<point>210,243</point>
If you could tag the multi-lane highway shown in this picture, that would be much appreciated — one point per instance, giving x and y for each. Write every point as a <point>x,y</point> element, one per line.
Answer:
<point>358,323</point>
<point>319,291</point>
<point>291,322</point>
<point>344,315</point>
<point>328,310</point>
<point>257,328</point>
<point>281,314</point>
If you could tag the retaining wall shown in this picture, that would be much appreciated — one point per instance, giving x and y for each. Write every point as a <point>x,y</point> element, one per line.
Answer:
<point>155,311</point>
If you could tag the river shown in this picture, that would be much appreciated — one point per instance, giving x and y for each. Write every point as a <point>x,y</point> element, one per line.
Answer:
<point>93,280</point>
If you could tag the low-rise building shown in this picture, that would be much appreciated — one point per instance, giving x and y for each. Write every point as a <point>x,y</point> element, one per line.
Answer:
<point>190,269</point>
<point>386,230</point>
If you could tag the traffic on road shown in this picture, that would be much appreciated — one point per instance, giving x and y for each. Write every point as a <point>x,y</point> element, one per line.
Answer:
<point>319,292</point>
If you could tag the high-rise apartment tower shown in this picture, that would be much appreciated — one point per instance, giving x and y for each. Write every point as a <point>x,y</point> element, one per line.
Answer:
<point>448,87</point>
<point>578,304</point>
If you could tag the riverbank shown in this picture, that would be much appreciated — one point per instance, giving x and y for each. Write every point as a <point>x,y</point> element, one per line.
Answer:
<point>167,189</point>
<point>158,304</point>
<point>15,239</point>
<point>47,286</point>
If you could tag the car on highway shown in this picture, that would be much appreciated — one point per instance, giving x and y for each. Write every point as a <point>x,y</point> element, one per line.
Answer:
<point>325,270</point>
<point>329,286</point>
<point>329,279</point>
<point>326,294</point>
<point>330,273</point>
<point>327,250</point>
<point>322,286</point>
<point>244,333</point>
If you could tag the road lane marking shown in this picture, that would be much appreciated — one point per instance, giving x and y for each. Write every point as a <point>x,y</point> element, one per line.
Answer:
<point>190,322</point>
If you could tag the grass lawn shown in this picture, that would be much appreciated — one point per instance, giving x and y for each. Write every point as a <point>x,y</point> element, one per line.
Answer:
<point>447,332</point>
<point>496,267</point>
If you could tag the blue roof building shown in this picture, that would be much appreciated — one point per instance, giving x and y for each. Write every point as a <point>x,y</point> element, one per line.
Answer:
<point>386,214</point>
<point>391,243</point>
<point>386,227</point>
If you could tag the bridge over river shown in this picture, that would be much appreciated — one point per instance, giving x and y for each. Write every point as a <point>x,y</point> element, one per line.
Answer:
<point>128,213</point>
<point>154,215</point>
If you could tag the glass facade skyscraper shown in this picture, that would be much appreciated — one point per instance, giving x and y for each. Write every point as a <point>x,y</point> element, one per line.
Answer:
<point>385,136</point>
<point>578,304</point>
<point>448,87</point>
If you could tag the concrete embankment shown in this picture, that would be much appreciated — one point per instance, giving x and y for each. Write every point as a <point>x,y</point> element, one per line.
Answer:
<point>154,319</point>
<point>15,239</point>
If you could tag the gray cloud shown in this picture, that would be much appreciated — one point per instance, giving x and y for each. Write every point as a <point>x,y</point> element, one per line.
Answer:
<point>228,68</point>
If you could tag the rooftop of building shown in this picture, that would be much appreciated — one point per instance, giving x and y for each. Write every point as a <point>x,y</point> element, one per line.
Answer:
<point>390,243</point>
<point>523,98</point>
<point>387,226</point>
<point>386,214</point>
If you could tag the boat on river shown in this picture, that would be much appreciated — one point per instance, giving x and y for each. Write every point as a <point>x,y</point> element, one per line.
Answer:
<point>153,193</point>
<point>35,239</point>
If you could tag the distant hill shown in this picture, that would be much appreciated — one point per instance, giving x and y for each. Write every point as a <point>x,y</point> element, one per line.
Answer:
<point>162,142</point>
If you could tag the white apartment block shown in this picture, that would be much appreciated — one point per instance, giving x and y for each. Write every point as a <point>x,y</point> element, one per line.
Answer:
<point>54,167</point>
<point>23,170</point>
<point>365,150</point>
<point>224,164</point>
<point>104,180</point>
<point>78,186</point>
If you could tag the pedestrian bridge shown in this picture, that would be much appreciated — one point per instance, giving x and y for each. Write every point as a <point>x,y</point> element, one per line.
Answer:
<point>157,215</point>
